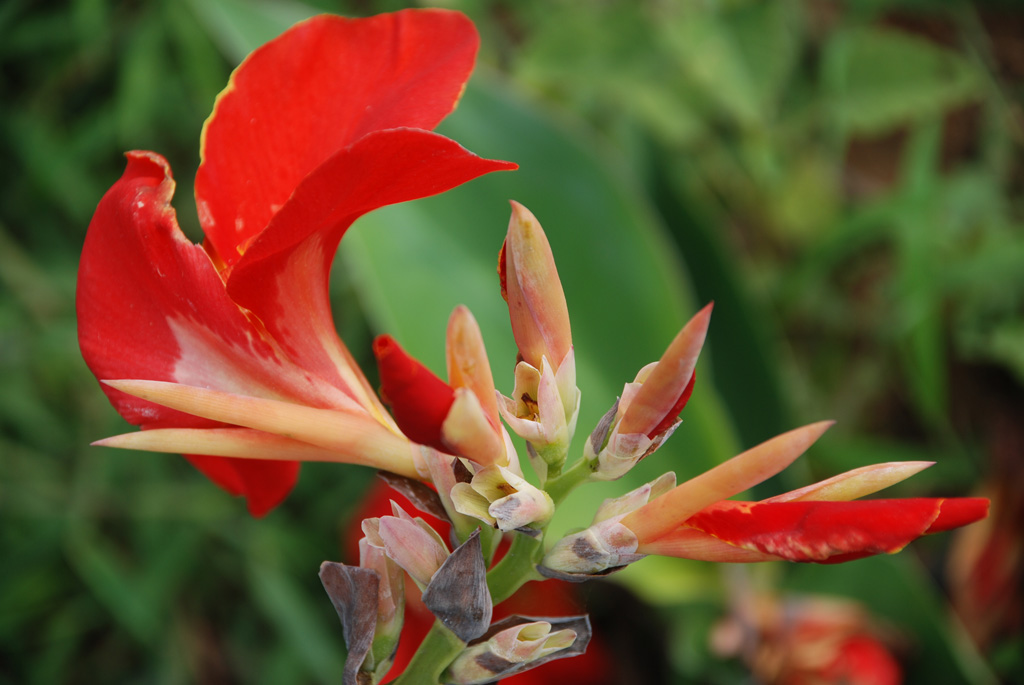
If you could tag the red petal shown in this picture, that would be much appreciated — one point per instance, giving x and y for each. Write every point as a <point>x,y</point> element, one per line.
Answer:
<point>283,277</point>
<point>151,306</point>
<point>831,532</point>
<point>418,399</point>
<point>311,92</point>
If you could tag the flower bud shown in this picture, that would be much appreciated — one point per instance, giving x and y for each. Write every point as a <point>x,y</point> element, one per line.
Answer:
<point>503,499</point>
<point>509,651</point>
<point>530,285</point>
<point>545,402</point>
<point>410,542</point>
<point>606,544</point>
<point>468,366</point>
<point>646,414</point>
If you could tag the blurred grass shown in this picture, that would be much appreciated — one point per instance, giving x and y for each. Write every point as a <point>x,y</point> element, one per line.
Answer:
<point>843,180</point>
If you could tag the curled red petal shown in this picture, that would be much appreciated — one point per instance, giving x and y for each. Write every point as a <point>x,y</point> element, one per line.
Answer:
<point>150,305</point>
<point>283,277</point>
<point>418,399</point>
<point>832,532</point>
<point>311,92</point>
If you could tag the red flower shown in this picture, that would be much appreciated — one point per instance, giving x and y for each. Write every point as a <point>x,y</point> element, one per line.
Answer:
<point>323,124</point>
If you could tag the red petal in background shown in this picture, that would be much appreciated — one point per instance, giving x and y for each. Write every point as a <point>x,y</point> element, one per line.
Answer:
<point>418,399</point>
<point>831,532</point>
<point>283,277</point>
<point>264,483</point>
<point>311,92</point>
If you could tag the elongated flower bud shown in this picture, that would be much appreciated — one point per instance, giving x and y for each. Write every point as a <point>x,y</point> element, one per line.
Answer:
<point>510,651</point>
<point>530,285</point>
<point>647,413</point>
<point>468,366</point>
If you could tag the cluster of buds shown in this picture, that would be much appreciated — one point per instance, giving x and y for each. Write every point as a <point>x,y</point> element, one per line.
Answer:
<point>238,366</point>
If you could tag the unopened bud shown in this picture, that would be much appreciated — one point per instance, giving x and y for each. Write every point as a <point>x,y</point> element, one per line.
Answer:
<point>509,651</point>
<point>530,285</point>
<point>503,499</point>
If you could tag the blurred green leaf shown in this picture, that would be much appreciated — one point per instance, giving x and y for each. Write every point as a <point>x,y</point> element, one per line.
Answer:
<point>741,57</point>
<point>878,78</point>
<point>291,610</point>
<point>241,26</point>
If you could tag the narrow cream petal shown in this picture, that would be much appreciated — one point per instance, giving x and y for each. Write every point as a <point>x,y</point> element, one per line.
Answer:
<point>855,484</point>
<point>470,433</point>
<point>468,366</point>
<point>722,482</point>
<point>241,443</point>
<point>357,435</point>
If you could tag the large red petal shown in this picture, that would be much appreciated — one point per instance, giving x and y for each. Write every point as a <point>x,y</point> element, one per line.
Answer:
<point>151,306</point>
<point>419,399</point>
<point>313,91</point>
<point>831,532</point>
<point>283,276</point>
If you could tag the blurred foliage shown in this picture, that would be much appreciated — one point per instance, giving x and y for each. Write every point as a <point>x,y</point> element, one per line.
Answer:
<point>843,179</point>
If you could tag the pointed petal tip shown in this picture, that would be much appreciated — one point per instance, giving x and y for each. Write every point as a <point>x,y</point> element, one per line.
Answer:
<point>705,311</point>
<point>520,214</point>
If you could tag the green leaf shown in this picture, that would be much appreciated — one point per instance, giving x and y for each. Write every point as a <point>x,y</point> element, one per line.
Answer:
<point>741,57</point>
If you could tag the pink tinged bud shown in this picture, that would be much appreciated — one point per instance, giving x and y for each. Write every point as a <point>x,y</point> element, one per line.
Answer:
<point>530,285</point>
<point>411,543</point>
<point>722,482</point>
<point>468,366</point>
<point>669,384</point>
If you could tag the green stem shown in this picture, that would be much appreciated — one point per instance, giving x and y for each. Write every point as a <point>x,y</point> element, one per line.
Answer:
<point>438,649</point>
<point>560,486</point>
<point>516,568</point>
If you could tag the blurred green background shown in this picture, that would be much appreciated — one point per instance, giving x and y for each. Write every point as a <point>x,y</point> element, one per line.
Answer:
<point>843,179</point>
